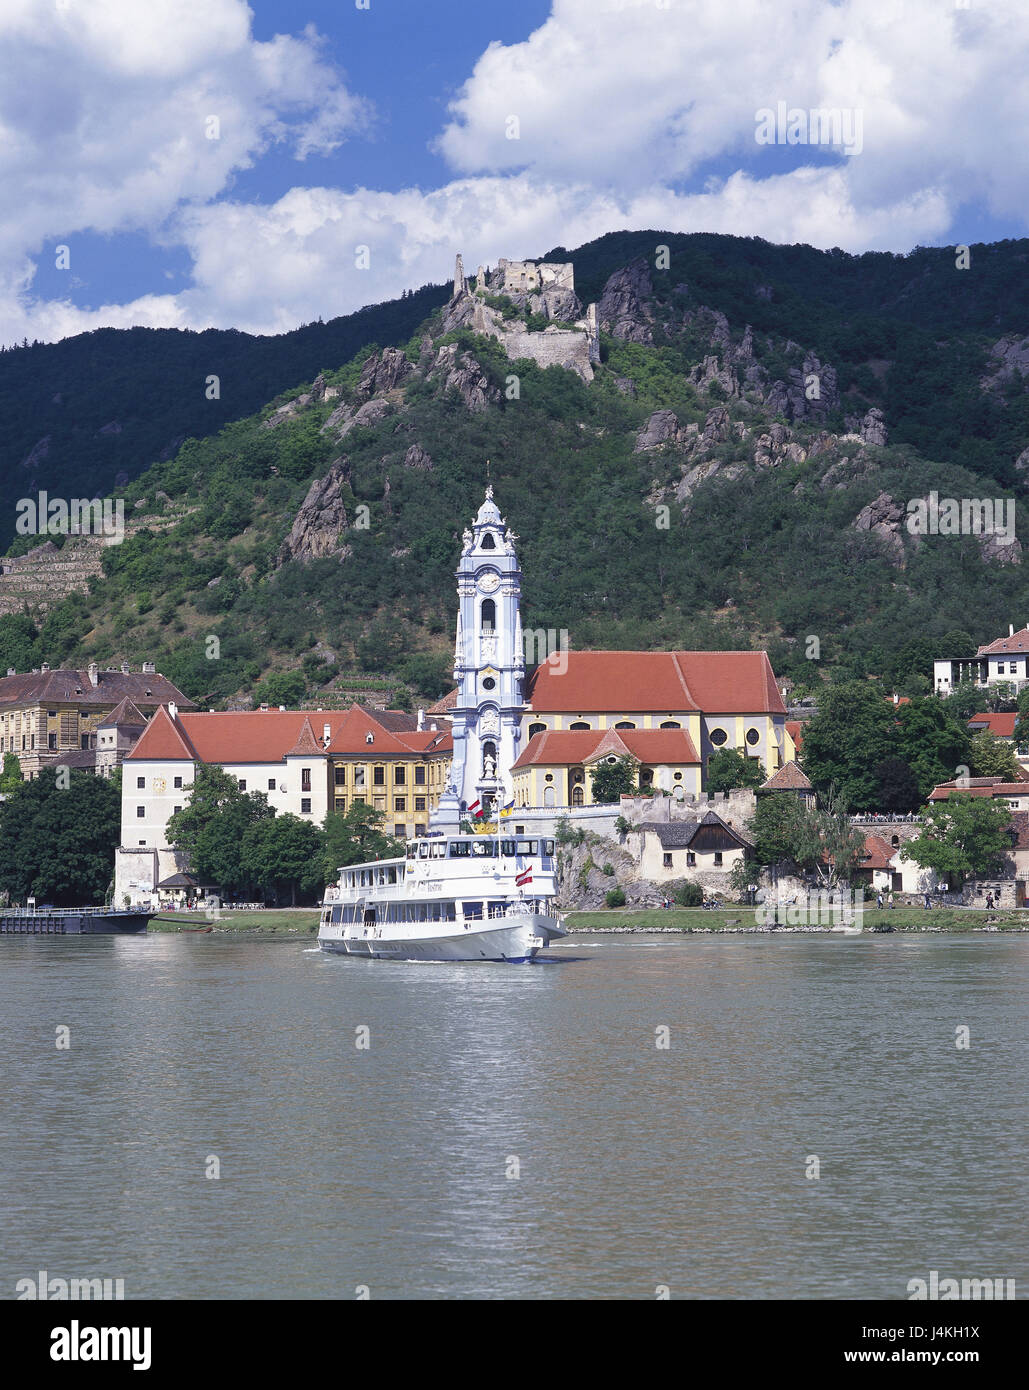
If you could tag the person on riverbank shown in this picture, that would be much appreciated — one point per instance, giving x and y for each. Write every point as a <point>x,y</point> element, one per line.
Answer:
<point>891,902</point>
<point>879,901</point>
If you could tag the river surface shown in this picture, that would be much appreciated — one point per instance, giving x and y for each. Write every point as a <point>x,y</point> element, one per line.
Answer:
<point>516,1131</point>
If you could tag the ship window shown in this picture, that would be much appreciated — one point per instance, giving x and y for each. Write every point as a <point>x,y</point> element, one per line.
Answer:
<point>507,847</point>
<point>392,875</point>
<point>473,910</point>
<point>548,847</point>
<point>528,847</point>
<point>460,849</point>
<point>423,851</point>
<point>437,851</point>
<point>483,848</point>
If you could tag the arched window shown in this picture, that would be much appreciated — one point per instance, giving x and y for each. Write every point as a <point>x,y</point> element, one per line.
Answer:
<point>487,542</point>
<point>579,725</point>
<point>671,724</point>
<point>578,796</point>
<point>537,729</point>
<point>625,724</point>
<point>895,841</point>
<point>548,796</point>
<point>488,615</point>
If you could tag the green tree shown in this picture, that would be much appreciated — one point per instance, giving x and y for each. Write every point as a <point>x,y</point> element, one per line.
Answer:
<point>931,741</point>
<point>281,688</point>
<point>853,731</point>
<point>964,700</point>
<point>990,756</point>
<point>962,836</point>
<point>58,842</point>
<point>728,769</point>
<point>284,855</point>
<point>10,778</point>
<point>356,838</point>
<point>957,643</point>
<point>210,828</point>
<point>898,786</point>
<point>776,828</point>
<point>18,636</point>
<point>611,780</point>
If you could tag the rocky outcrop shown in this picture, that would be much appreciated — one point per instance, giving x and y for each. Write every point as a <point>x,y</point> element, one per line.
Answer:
<point>583,885</point>
<point>383,371</point>
<point>322,519</point>
<point>883,517</point>
<point>416,457</point>
<point>811,393</point>
<point>625,385</point>
<point>870,428</point>
<point>1009,359</point>
<point>35,456</point>
<point>663,428</point>
<point>716,427</point>
<point>343,419</point>
<point>778,446</point>
<point>623,309</point>
<point>712,372</point>
<point>461,371</point>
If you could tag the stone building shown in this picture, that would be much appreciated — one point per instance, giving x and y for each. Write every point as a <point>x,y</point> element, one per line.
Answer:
<point>46,716</point>
<point>306,762</point>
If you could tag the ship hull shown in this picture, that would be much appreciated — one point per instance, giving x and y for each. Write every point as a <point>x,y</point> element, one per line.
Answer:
<point>516,942</point>
<point>73,922</point>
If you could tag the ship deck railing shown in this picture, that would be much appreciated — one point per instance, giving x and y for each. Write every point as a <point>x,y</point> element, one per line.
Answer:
<point>65,911</point>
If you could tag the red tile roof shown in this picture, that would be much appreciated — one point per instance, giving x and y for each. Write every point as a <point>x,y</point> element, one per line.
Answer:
<point>617,682</point>
<point>444,706</point>
<point>789,778</point>
<point>878,853</point>
<point>1017,642</point>
<point>124,715</point>
<point>795,729</point>
<point>268,736</point>
<point>1003,725</point>
<point>979,786</point>
<point>568,747</point>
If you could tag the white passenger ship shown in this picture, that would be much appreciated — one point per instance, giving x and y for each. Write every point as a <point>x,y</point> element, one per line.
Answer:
<point>454,897</point>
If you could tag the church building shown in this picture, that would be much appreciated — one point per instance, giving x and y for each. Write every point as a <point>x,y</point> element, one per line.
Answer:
<point>533,742</point>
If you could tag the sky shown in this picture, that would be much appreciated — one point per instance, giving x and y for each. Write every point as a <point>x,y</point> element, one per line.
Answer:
<point>219,164</point>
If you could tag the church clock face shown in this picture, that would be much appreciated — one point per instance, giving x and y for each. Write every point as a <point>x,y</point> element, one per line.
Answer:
<point>489,581</point>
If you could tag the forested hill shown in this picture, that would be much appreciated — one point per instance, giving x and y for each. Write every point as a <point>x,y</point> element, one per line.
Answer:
<point>87,414</point>
<point>736,473</point>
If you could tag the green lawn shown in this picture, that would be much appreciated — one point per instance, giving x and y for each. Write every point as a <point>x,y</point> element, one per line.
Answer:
<point>901,918</point>
<point>272,921</point>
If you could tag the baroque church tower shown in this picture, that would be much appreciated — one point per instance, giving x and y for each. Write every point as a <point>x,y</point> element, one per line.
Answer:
<point>489,668</point>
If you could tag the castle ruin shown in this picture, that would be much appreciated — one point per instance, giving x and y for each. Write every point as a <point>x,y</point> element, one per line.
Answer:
<point>545,288</point>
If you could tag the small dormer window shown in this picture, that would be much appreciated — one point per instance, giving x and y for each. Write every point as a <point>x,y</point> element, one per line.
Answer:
<point>369,738</point>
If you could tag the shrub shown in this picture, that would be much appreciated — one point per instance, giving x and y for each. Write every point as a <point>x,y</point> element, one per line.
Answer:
<point>685,893</point>
<point>608,869</point>
<point>614,897</point>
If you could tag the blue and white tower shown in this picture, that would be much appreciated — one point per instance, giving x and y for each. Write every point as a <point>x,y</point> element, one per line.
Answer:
<point>489,668</point>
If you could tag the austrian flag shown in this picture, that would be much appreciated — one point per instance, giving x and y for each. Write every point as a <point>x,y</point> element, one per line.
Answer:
<point>523,878</point>
<point>475,809</point>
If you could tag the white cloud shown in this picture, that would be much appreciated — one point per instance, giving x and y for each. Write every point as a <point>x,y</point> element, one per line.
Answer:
<point>624,108</point>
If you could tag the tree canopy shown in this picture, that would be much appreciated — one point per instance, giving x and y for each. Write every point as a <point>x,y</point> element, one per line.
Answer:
<point>57,841</point>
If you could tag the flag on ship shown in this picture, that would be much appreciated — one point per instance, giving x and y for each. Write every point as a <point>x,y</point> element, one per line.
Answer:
<point>523,878</point>
<point>507,808</point>
<point>475,809</point>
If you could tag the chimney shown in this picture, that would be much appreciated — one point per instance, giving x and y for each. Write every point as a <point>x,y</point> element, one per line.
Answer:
<point>45,666</point>
<point>1011,629</point>
<point>326,733</point>
<point>282,709</point>
<point>264,707</point>
<point>173,709</point>
<point>421,719</point>
<point>11,671</point>
<point>94,672</point>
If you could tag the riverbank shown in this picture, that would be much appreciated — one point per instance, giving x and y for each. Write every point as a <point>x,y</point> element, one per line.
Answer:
<point>743,919</point>
<point>301,921</point>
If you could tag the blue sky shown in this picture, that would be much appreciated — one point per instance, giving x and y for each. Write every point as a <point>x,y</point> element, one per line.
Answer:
<point>391,127</point>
